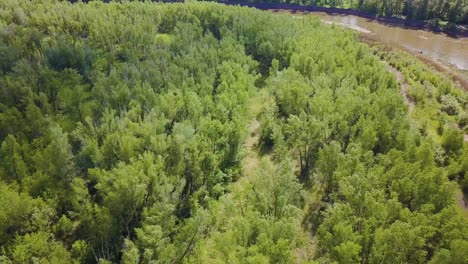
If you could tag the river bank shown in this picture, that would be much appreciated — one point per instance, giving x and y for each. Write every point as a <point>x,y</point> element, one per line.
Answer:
<point>439,51</point>
<point>460,31</point>
<point>454,73</point>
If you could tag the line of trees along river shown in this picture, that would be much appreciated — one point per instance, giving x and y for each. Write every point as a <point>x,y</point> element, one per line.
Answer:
<point>454,11</point>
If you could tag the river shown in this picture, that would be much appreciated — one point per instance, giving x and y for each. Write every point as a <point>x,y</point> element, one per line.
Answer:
<point>438,46</point>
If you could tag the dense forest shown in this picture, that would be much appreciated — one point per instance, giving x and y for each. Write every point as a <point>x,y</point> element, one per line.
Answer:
<point>454,11</point>
<point>202,133</point>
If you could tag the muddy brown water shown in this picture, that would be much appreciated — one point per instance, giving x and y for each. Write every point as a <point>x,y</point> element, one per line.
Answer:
<point>437,46</point>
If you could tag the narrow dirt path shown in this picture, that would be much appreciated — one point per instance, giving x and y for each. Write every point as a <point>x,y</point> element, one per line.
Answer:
<point>404,90</point>
<point>403,85</point>
<point>252,157</point>
<point>462,202</point>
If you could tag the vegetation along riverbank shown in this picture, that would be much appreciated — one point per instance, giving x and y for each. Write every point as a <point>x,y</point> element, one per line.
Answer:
<point>418,22</point>
<point>142,132</point>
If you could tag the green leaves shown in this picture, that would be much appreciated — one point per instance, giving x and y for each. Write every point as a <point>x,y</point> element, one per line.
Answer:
<point>261,223</point>
<point>276,196</point>
<point>452,141</point>
<point>40,247</point>
<point>456,253</point>
<point>400,242</point>
<point>122,130</point>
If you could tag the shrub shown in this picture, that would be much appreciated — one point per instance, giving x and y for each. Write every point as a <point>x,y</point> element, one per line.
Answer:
<point>450,104</point>
<point>452,141</point>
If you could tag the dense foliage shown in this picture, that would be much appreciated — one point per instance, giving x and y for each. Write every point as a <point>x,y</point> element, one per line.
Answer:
<point>122,130</point>
<point>440,110</point>
<point>378,183</point>
<point>454,11</point>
